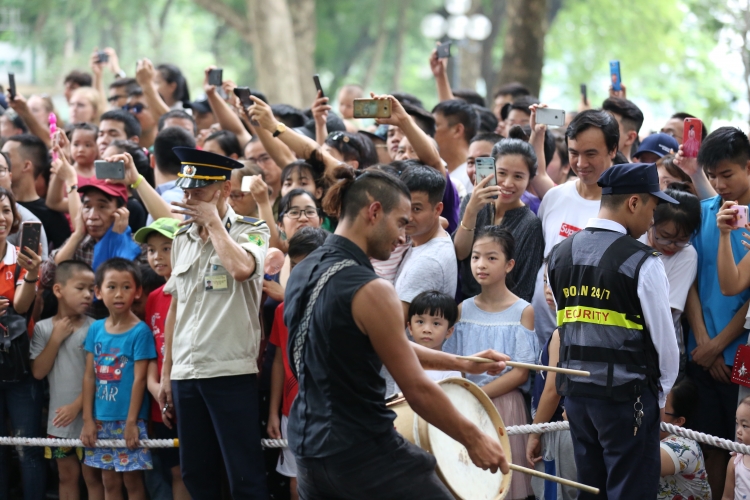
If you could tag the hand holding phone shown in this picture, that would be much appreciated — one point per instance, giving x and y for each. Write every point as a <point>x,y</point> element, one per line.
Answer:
<point>31,234</point>
<point>215,77</point>
<point>12,86</point>
<point>109,169</point>
<point>485,166</point>
<point>244,94</point>
<point>444,50</point>
<point>319,88</point>
<point>741,220</point>
<point>549,116</point>
<point>372,108</point>
<point>615,75</point>
<point>102,57</point>
<point>692,136</point>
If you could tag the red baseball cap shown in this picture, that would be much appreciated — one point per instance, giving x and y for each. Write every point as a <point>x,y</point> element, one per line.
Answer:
<point>115,190</point>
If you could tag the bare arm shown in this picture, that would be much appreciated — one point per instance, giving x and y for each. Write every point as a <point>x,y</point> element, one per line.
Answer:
<point>420,142</point>
<point>136,400</point>
<point>479,198</point>
<point>42,365</point>
<point>667,465</point>
<point>372,309</point>
<point>512,379</point>
<point>225,115</point>
<point>549,399</point>
<point>144,75</point>
<point>164,397</point>
<point>259,191</point>
<point>154,203</point>
<point>302,146</point>
<point>697,175</point>
<point>733,278</point>
<point>152,378</point>
<point>276,149</point>
<point>277,389</point>
<point>541,181</point>
<point>320,109</point>
<point>88,434</point>
<point>729,483</point>
<point>439,71</point>
<point>20,106</point>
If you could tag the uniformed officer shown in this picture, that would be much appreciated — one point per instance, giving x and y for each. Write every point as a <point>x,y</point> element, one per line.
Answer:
<point>212,333</point>
<point>614,318</point>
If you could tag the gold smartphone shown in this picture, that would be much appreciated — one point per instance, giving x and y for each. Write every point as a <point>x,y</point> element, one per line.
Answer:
<point>372,108</point>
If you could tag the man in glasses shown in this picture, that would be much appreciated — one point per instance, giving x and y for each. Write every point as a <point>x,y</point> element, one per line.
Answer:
<point>119,90</point>
<point>137,105</point>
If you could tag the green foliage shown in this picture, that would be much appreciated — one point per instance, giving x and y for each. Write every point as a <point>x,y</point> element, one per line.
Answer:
<point>664,54</point>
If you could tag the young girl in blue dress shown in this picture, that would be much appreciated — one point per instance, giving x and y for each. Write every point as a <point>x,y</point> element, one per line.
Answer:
<point>498,319</point>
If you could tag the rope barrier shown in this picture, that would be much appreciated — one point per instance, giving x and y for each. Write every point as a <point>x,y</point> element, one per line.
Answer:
<point>282,443</point>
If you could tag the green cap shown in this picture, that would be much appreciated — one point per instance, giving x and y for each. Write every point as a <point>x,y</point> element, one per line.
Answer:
<point>165,226</point>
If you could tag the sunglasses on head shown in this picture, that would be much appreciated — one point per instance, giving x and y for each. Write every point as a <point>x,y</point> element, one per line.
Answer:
<point>134,108</point>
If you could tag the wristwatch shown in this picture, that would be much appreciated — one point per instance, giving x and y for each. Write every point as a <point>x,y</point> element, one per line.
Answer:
<point>72,188</point>
<point>121,74</point>
<point>280,129</point>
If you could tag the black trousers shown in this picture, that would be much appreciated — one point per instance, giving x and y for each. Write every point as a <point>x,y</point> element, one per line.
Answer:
<point>218,418</point>
<point>387,467</point>
<point>607,454</point>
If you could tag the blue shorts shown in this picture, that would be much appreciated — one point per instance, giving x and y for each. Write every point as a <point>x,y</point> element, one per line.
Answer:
<point>118,459</point>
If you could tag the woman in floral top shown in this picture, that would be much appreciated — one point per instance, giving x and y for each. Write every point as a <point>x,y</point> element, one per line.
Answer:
<point>683,470</point>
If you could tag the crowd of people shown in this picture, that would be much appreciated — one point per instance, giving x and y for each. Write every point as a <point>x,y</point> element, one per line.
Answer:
<point>155,302</point>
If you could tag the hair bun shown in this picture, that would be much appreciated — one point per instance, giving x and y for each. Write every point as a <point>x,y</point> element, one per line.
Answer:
<point>517,132</point>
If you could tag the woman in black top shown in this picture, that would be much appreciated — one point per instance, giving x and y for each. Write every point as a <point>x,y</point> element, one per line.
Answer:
<point>515,166</point>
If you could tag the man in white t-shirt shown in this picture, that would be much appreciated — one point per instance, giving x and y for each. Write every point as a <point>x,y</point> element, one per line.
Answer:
<point>430,264</point>
<point>455,124</point>
<point>592,139</point>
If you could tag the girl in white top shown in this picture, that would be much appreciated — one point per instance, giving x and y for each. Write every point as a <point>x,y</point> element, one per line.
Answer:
<point>737,485</point>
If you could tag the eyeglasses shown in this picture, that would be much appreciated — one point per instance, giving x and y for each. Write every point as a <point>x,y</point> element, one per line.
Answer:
<point>260,159</point>
<point>3,171</point>
<point>114,98</point>
<point>235,195</point>
<point>295,213</point>
<point>134,108</point>
<point>666,242</point>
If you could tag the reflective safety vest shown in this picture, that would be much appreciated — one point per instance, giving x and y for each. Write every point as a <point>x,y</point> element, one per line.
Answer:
<point>594,277</point>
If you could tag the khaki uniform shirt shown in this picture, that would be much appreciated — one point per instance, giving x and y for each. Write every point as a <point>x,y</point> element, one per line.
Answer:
<point>217,331</point>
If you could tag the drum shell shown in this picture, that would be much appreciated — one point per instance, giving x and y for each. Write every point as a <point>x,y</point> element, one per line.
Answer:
<point>416,430</point>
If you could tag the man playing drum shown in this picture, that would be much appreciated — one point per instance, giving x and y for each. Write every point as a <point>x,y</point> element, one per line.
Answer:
<point>344,323</point>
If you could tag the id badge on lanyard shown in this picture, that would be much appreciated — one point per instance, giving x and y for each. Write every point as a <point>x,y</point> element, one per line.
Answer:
<point>216,280</point>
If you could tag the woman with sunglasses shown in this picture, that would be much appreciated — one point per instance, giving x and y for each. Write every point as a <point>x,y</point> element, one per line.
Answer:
<point>674,226</point>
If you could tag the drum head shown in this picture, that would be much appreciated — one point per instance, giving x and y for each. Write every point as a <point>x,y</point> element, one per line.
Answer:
<point>465,480</point>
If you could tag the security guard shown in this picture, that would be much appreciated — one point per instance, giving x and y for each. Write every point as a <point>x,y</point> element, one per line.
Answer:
<point>614,318</point>
<point>212,333</point>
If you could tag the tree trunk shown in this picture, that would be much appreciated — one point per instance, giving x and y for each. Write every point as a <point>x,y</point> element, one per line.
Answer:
<point>378,50</point>
<point>275,58</point>
<point>305,36</point>
<point>523,50</point>
<point>400,34</point>
<point>489,73</point>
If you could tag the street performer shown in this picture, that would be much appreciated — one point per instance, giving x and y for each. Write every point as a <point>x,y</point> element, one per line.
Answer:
<point>340,430</point>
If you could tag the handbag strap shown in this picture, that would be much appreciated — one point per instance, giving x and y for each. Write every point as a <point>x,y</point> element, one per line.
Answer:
<point>301,337</point>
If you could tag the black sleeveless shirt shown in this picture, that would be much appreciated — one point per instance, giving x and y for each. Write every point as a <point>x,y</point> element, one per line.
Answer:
<point>341,399</point>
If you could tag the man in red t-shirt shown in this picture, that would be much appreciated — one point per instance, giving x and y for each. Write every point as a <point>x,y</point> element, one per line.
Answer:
<point>283,384</point>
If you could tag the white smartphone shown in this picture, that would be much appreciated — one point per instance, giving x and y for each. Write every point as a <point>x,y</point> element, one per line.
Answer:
<point>549,116</point>
<point>485,166</point>
<point>246,183</point>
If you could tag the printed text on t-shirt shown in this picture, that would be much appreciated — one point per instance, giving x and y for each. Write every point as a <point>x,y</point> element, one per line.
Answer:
<point>568,230</point>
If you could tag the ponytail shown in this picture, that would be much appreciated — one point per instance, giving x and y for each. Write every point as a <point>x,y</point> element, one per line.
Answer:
<point>340,179</point>
<point>352,190</point>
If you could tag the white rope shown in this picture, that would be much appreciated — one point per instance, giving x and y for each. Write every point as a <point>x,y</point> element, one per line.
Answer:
<point>282,443</point>
<point>72,443</point>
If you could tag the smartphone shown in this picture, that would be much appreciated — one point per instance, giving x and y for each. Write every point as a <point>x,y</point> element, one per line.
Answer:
<point>372,108</point>
<point>215,77</point>
<point>109,169</point>
<point>741,220</point>
<point>31,234</point>
<point>691,137</point>
<point>549,116</point>
<point>246,183</point>
<point>585,93</point>
<point>485,166</point>
<point>316,79</point>
<point>615,75</point>
<point>102,56</point>
<point>244,94</point>
<point>444,50</point>
<point>12,85</point>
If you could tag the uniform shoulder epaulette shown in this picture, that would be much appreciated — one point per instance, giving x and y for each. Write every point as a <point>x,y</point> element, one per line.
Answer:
<point>250,220</point>
<point>183,230</point>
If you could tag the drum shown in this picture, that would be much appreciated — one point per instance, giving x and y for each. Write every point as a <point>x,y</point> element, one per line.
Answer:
<point>454,467</point>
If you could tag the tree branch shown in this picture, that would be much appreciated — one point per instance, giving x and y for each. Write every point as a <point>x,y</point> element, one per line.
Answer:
<point>230,16</point>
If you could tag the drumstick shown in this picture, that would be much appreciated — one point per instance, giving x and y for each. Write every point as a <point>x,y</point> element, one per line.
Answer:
<point>566,482</point>
<point>517,364</point>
